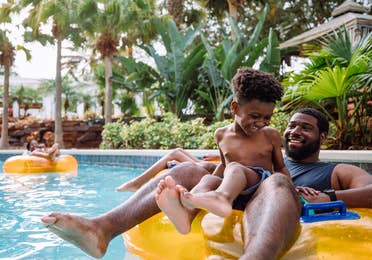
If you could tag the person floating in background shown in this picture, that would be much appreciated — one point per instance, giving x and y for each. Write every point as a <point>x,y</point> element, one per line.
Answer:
<point>170,160</point>
<point>36,149</point>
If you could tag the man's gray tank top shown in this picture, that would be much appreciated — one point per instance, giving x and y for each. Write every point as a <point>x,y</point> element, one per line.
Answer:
<point>314,175</point>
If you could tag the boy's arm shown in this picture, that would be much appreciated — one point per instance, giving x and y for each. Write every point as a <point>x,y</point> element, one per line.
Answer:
<point>277,156</point>
<point>221,166</point>
<point>39,153</point>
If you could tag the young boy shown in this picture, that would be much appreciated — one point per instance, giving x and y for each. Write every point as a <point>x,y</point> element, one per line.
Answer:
<point>249,149</point>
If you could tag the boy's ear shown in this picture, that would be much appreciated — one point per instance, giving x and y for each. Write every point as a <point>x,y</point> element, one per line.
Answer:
<point>234,107</point>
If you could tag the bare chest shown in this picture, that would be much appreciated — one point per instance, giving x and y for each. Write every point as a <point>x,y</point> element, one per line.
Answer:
<point>255,151</point>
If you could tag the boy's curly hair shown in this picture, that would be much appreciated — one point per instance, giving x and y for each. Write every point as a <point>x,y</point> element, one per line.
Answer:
<point>251,84</point>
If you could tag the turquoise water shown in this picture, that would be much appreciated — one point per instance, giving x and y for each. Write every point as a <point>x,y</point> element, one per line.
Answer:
<point>25,199</point>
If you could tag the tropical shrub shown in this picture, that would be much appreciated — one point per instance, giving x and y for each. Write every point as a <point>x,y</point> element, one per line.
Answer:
<point>337,80</point>
<point>166,134</point>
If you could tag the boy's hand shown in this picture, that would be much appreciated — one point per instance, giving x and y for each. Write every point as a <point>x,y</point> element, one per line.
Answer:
<point>307,191</point>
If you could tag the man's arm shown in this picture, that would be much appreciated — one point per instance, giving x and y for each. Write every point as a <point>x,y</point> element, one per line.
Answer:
<point>353,185</point>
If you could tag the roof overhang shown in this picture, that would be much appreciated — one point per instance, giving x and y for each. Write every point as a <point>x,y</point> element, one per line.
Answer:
<point>348,20</point>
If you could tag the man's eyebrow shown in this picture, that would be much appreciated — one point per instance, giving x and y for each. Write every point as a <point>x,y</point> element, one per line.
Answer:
<point>301,123</point>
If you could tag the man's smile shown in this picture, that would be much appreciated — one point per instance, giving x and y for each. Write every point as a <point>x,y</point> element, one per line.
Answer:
<point>295,140</point>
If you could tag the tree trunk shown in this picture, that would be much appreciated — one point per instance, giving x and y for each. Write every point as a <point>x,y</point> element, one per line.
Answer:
<point>4,141</point>
<point>58,131</point>
<point>108,89</point>
<point>175,9</point>
<point>233,11</point>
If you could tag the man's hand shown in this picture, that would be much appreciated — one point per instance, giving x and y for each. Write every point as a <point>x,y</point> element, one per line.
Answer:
<point>307,191</point>
<point>321,197</point>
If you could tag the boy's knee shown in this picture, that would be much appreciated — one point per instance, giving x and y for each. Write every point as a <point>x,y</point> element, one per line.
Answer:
<point>233,166</point>
<point>177,151</point>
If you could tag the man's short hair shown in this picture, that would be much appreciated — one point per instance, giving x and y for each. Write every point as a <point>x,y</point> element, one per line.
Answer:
<point>322,121</point>
<point>251,84</point>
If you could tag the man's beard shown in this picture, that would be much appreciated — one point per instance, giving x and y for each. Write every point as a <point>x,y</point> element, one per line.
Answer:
<point>302,152</point>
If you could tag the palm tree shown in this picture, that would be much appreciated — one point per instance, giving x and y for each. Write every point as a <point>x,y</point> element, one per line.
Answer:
<point>218,7</point>
<point>63,15</point>
<point>105,22</point>
<point>175,9</point>
<point>6,60</point>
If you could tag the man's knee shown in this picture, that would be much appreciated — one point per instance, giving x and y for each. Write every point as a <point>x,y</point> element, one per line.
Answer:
<point>277,181</point>
<point>280,183</point>
<point>188,173</point>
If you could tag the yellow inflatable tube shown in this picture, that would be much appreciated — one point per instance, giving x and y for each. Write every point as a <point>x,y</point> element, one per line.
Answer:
<point>157,239</point>
<point>26,164</point>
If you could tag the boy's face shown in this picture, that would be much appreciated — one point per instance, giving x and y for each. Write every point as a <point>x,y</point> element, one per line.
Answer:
<point>252,115</point>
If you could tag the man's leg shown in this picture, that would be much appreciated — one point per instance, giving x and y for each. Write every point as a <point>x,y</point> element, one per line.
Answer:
<point>93,235</point>
<point>271,219</point>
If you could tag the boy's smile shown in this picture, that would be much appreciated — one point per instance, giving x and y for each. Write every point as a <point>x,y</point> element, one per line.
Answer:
<point>252,115</point>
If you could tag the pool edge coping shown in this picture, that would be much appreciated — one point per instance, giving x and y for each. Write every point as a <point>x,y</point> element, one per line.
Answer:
<point>326,155</point>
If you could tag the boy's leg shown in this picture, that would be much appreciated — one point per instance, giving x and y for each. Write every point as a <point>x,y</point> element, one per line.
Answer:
<point>93,235</point>
<point>271,219</point>
<point>169,200</point>
<point>177,155</point>
<point>236,179</point>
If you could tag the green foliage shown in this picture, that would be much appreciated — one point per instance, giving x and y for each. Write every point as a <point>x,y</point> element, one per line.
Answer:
<point>111,135</point>
<point>167,134</point>
<point>177,67</point>
<point>338,82</point>
<point>127,104</point>
<point>222,62</point>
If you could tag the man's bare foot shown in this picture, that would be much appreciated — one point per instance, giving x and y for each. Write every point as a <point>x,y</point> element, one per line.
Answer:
<point>129,186</point>
<point>167,198</point>
<point>211,201</point>
<point>81,232</point>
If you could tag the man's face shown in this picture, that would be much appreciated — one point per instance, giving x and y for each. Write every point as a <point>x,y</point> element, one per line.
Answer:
<point>252,115</point>
<point>302,137</point>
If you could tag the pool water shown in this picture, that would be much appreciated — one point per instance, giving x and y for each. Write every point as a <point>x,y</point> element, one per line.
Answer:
<point>25,199</point>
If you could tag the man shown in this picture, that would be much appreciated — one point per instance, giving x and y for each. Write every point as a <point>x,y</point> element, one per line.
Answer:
<point>273,212</point>
<point>306,130</point>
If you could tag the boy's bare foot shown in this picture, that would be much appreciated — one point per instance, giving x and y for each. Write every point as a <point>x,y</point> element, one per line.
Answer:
<point>167,198</point>
<point>81,232</point>
<point>129,186</point>
<point>211,201</point>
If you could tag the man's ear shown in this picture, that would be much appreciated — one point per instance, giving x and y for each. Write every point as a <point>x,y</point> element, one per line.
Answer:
<point>322,136</point>
<point>234,107</point>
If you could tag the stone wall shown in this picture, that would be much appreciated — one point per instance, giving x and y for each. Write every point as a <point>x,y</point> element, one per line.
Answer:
<point>76,133</point>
